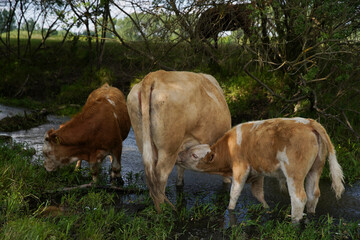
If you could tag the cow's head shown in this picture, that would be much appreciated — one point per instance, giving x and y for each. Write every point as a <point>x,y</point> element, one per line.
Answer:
<point>197,158</point>
<point>55,153</point>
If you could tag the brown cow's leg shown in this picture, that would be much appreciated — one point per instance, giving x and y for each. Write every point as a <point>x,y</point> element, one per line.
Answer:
<point>240,174</point>
<point>257,189</point>
<point>78,165</point>
<point>116,169</point>
<point>94,169</point>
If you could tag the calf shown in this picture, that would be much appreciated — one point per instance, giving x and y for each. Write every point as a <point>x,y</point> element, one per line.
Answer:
<point>292,149</point>
<point>97,131</point>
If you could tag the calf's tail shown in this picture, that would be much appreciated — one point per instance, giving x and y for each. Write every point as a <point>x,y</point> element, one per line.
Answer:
<point>336,172</point>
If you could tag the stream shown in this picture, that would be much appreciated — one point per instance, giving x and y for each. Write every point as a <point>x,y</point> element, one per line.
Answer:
<point>198,187</point>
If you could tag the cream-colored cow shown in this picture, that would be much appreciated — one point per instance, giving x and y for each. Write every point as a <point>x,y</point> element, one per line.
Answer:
<point>293,149</point>
<point>170,112</point>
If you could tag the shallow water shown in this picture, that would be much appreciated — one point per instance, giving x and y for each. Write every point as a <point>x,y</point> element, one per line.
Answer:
<point>199,187</point>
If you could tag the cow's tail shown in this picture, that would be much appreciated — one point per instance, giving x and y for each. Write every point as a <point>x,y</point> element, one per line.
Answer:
<point>152,178</point>
<point>336,172</point>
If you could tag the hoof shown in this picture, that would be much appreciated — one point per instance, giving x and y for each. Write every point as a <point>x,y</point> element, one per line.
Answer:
<point>180,184</point>
<point>118,181</point>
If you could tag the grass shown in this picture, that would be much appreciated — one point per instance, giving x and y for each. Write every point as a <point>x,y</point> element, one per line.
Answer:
<point>30,209</point>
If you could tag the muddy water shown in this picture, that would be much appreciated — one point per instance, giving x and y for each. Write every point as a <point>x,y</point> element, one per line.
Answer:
<point>199,187</point>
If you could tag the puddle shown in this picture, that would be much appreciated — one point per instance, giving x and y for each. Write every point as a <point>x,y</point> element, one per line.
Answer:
<point>199,187</point>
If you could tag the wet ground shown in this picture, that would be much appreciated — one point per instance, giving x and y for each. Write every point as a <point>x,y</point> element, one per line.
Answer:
<point>199,187</point>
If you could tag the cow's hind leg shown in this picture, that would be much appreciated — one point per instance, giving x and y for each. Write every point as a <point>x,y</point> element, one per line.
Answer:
<point>115,174</point>
<point>240,174</point>
<point>312,186</point>
<point>164,167</point>
<point>257,189</point>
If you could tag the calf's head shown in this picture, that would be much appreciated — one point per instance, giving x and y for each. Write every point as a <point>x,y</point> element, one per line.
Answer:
<point>197,158</point>
<point>54,152</point>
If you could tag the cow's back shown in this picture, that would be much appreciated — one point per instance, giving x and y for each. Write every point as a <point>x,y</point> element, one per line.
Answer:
<point>103,116</point>
<point>262,141</point>
<point>118,105</point>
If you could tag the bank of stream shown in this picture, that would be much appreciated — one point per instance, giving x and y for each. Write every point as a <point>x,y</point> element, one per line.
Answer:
<point>199,187</point>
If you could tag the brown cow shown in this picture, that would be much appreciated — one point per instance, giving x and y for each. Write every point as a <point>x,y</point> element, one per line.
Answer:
<point>293,148</point>
<point>224,17</point>
<point>169,112</point>
<point>97,131</point>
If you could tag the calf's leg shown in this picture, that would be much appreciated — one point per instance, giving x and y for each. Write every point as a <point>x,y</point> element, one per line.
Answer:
<point>240,174</point>
<point>257,189</point>
<point>312,185</point>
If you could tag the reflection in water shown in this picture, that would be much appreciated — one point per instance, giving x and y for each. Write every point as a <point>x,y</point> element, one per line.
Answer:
<point>200,187</point>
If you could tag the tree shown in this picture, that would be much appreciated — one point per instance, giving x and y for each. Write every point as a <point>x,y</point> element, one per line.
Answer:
<point>6,22</point>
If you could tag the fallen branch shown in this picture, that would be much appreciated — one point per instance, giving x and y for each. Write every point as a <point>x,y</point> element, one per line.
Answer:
<point>94,186</point>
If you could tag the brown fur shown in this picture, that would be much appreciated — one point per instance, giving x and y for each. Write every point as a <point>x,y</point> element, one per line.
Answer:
<point>169,112</point>
<point>293,148</point>
<point>92,134</point>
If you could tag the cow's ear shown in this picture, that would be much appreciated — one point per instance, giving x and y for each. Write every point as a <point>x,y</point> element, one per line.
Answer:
<point>211,157</point>
<point>54,138</point>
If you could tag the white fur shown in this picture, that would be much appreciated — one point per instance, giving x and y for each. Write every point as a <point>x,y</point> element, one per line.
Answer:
<point>110,101</point>
<point>281,156</point>
<point>256,124</point>
<point>297,205</point>
<point>115,115</point>
<point>238,134</point>
<point>336,175</point>
<point>236,188</point>
<point>298,120</point>
<point>210,94</point>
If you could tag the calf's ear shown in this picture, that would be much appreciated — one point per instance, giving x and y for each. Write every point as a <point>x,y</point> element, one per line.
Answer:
<point>211,157</point>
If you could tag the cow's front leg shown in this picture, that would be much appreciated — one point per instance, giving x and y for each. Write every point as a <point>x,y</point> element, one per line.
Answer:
<point>240,174</point>
<point>94,169</point>
<point>78,165</point>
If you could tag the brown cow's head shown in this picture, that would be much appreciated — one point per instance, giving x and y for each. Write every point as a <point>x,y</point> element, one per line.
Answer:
<point>55,153</point>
